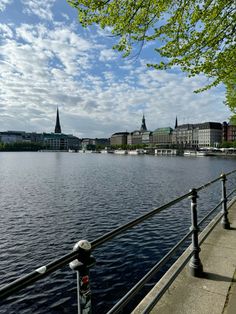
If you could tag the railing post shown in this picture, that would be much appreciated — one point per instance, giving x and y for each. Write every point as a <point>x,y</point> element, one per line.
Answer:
<point>225,221</point>
<point>81,265</point>
<point>195,264</point>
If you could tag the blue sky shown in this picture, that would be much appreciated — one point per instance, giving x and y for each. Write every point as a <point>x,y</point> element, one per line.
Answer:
<point>47,60</point>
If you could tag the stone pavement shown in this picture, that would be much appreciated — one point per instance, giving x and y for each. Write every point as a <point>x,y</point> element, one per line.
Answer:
<point>215,293</point>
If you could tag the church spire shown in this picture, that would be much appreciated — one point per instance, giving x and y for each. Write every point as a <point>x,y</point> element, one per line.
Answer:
<point>58,126</point>
<point>143,126</point>
<point>176,123</point>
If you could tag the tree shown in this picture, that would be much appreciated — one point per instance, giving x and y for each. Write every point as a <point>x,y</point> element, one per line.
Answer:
<point>197,35</point>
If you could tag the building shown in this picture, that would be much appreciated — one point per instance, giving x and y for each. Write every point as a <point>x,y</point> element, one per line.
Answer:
<point>141,136</point>
<point>185,136</point>
<point>209,134</point>
<point>60,141</point>
<point>147,137</point>
<point>119,138</point>
<point>228,132</point>
<point>134,138</point>
<point>10,137</point>
<point>162,137</point>
<point>52,141</point>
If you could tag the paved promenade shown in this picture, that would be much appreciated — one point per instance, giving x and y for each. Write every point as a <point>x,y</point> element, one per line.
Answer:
<point>215,293</point>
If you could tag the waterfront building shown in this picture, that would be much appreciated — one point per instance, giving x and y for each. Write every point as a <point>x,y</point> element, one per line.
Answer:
<point>91,143</point>
<point>162,137</point>
<point>10,137</point>
<point>209,134</point>
<point>141,136</point>
<point>119,138</point>
<point>224,131</point>
<point>134,138</point>
<point>147,137</point>
<point>229,132</point>
<point>60,141</point>
<point>185,136</point>
<point>102,141</point>
<point>88,144</point>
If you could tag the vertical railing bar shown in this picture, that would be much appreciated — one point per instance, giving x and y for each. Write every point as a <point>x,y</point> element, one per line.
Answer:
<point>225,221</point>
<point>82,265</point>
<point>195,265</point>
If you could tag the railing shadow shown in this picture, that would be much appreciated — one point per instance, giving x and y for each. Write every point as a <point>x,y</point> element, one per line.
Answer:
<point>217,277</point>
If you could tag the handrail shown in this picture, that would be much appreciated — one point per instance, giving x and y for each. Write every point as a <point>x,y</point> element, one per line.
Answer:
<point>148,276</point>
<point>151,305</point>
<point>43,271</point>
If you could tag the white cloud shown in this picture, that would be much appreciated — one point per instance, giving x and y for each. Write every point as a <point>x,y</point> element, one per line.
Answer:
<point>41,8</point>
<point>4,3</point>
<point>5,31</point>
<point>107,55</point>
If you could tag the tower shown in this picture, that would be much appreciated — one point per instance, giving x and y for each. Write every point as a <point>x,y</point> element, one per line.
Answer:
<point>176,123</point>
<point>58,126</point>
<point>143,125</point>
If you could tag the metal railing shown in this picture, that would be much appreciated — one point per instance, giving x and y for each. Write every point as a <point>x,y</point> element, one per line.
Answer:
<point>81,260</point>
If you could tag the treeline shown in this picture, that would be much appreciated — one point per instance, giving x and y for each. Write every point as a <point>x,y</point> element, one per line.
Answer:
<point>21,146</point>
<point>226,144</point>
<point>129,147</point>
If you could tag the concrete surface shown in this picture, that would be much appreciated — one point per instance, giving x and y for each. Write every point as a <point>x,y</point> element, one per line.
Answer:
<point>215,293</point>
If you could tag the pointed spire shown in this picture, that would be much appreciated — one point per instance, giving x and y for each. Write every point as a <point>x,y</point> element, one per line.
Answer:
<point>176,123</point>
<point>143,126</point>
<point>58,126</point>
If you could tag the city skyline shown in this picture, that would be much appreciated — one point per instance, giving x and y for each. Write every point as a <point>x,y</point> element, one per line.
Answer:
<point>47,61</point>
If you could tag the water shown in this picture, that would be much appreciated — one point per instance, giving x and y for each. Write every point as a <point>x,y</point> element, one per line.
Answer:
<point>49,201</point>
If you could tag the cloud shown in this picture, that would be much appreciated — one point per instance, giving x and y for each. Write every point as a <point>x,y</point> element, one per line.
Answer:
<point>107,55</point>
<point>41,8</point>
<point>4,3</point>
<point>46,65</point>
<point>5,31</point>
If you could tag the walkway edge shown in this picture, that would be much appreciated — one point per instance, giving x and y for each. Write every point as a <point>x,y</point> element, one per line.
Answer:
<point>181,260</point>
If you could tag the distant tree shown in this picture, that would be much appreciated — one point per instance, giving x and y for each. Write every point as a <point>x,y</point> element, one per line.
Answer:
<point>226,144</point>
<point>21,146</point>
<point>197,35</point>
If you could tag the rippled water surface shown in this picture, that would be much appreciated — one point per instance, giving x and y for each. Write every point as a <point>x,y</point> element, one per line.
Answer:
<point>49,201</point>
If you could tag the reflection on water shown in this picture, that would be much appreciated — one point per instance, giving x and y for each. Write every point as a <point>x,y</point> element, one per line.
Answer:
<point>49,201</point>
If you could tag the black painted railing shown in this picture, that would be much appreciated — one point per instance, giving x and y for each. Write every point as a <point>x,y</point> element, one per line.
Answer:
<point>80,259</point>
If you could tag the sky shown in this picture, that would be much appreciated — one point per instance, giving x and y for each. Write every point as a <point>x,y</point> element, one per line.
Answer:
<point>47,60</point>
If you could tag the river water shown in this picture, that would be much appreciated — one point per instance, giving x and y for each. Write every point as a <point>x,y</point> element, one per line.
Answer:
<point>49,201</point>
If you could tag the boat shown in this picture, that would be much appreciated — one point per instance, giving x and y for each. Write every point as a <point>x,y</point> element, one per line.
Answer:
<point>107,151</point>
<point>189,153</point>
<point>120,152</point>
<point>136,152</point>
<point>72,151</point>
<point>202,153</point>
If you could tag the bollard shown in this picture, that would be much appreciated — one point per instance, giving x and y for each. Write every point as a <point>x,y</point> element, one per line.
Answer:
<point>225,222</point>
<point>195,264</point>
<point>81,265</point>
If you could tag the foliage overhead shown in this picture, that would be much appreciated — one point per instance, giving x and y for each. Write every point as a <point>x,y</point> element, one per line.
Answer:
<point>199,36</point>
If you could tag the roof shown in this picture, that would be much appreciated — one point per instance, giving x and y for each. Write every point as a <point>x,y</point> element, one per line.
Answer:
<point>163,130</point>
<point>120,133</point>
<point>210,125</point>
